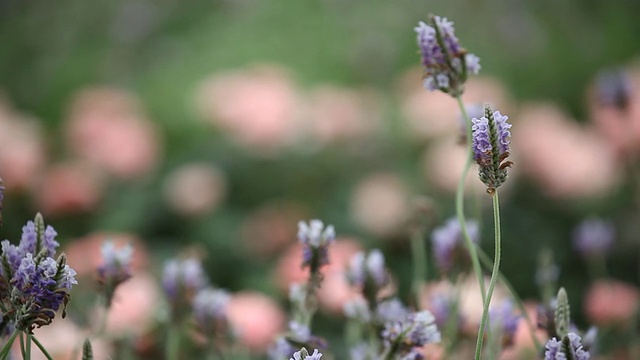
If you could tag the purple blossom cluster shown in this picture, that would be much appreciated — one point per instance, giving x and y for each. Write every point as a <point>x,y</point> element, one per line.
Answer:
<point>315,239</point>
<point>569,348</point>
<point>446,63</point>
<point>182,278</point>
<point>504,320</point>
<point>209,308</point>
<point>594,236</point>
<point>34,285</point>
<point>413,331</point>
<point>116,267</point>
<point>368,270</point>
<point>304,355</point>
<point>490,143</point>
<point>447,242</point>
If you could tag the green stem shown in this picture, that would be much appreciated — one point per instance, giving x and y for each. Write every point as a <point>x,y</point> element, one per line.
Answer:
<point>173,343</point>
<point>28,346</point>
<point>471,247</point>
<point>488,263</point>
<point>7,347</point>
<point>23,350</point>
<point>494,275</point>
<point>41,347</point>
<point>418,252</point>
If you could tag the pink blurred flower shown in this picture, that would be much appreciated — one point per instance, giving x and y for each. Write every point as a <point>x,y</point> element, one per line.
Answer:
<point>256,318</point>
<point>335,290</point>
<point>443,164</point>
<point>134,305</point>
<point>567,161</point>
<point>257,107</point>
<point>380,204</point>
<point>107,128</point>
<point>195,189</point>
<point>84,254</point>
<point>612,303</point>
<point>335,114</point>
<point>22,150</point>
<point>271,228</point>
<point>68,188</point>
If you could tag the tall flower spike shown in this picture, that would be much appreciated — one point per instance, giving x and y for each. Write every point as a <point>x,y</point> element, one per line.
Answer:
<point>491,147</point>
<point>446,63</point>
<point>563,313</point>
<point>315,238</point>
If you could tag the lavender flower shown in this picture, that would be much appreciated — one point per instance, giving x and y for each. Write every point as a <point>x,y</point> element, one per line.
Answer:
<point>415,330</point>
<point>37,238</point>
<point>447,242</point>
<point>443,307</point>
<point>491,147</point>
<point>446,63</point>
<point>304,355</point>
<point>390,310</point>
<point>368,270</point>
<point>116,268</point>
<point>182,278</point>
<point>315,239</point>
<point>281,349</point>
<point>593,236</point>
<point>209,306</point>
<point>569,348</point>
<point>504,321</point>
<point>299,331</point>
<point>614,89</point>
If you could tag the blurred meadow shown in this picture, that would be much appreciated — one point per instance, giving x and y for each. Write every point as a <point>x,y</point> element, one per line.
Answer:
<point>210,128</point>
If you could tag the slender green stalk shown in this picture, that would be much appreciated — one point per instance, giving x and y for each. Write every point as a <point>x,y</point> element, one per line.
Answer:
<point>7,347</point>
<point>460,202</point>
<point>488,263</point>
<point>173,343</point>
<point>41,347</point>
<point>23,350</point>
<point>494,274</point>
<point>28,347</point>
<point>419,254</point>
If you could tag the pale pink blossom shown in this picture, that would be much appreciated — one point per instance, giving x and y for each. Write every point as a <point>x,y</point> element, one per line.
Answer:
<point>134,306</point>
<point>380,204</point>
<point>69,187</point>
<point>255,318</point>
<point>107,127</point>
<point>334,114</point>
<point>258,107</point>
<point>612,303</point>
<point>567,160</point>
<point>22,149</point>
<point>195,189</point>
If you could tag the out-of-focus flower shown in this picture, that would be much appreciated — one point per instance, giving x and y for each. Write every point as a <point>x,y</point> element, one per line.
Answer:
<point>443,165</point>
<point>86,253</point>
<point>338,114</point>
<point>448,243</point>
<point>181,279</point>
<point>368,269</point>
<point>504,321</point>
<point>22,148</point>
<point>116,267</point>
<point>611,303</point>
<point>445,62</point>
<point>335,290</point>
<point>380,204</point>
<point>357,309</point>
<point>134,305</point>
<point>594,237</point>
<point>569,348</point>
<point>613,89</point>
<point>209,309</point>
<point>391,310</point>
<point>257,107</point>
<point>68,188</point>
<point>490,143</point>
<point>195,189</point>
<point>315,240</point>
<point>255,318</point>
<point>107,128</point>
<point>404,335</point>
<point>587,169</point>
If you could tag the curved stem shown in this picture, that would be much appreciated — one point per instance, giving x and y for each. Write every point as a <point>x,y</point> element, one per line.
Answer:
<point>460,203</point>
<point>488,263</point>
<point>494,274</point>
<point>7,347</point>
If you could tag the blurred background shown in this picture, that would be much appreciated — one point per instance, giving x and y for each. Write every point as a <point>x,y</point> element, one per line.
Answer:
<point>213,127</point>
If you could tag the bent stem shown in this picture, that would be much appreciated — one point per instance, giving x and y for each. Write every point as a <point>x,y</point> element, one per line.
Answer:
<point>40,346</point>
<point>494,274</point>
<point>7,347</point>
<point>460,202</point>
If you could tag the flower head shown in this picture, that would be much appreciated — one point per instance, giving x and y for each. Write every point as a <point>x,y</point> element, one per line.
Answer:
<point>315,238</point>
<point>504,321</point>
<point>447,241</point>
<point>490,143</point>
<point>445,62</point>
<point>209,306</point>
<point>368,270</point>
<point>181,279</point>
<point>116,267</point>
<point>614,89</point>
<point>594,236</point>
<point>303,354</point>
<point>569,348</point>
<point>413,331</point>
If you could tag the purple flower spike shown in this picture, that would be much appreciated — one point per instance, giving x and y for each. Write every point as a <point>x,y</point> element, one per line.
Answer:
<point>445,62</point>
<point>504,321</point>
<point>490,143</point>
<point>569,348</point>
<point>209,308</point>
<point>594,236</point>
<point>181,279</point>
<point>315,238</point>
<point>448,246</point>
